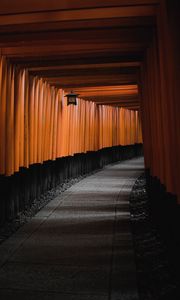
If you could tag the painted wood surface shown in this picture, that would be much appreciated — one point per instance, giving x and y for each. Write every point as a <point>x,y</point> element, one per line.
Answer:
<point>37,125</point>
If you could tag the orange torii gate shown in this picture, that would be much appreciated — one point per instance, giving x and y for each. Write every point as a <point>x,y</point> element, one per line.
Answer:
<point>36,124</point>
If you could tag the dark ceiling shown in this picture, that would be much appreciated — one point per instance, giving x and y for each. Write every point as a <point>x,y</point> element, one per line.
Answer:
<point>91,48</point>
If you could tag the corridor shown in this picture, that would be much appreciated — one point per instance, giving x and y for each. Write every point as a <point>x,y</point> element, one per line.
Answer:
<point>86,89</point>
<point>79,246</point>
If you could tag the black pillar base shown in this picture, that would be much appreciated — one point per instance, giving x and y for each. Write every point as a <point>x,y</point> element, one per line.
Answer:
<point>20,191</point>
<point>166,215</point>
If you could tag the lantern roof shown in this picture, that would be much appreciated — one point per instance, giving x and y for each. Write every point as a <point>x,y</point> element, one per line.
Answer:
<point>71,94</point>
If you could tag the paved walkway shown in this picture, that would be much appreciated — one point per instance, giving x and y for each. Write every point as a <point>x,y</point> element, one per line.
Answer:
<point>78,247</point>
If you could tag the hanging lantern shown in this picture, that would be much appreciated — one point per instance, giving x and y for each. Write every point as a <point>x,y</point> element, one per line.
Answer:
<point>72,98</point>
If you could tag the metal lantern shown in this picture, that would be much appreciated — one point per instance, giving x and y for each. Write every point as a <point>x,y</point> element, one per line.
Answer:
<point>72,98</point>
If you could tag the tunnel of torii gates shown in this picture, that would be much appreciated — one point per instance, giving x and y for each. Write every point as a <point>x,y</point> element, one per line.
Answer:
<point>122,58</point>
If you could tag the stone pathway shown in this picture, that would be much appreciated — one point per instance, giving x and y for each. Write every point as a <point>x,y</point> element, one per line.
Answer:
<point>79,246</point>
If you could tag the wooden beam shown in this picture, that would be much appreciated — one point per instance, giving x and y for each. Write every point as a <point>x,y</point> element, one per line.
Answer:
<point>144,22</point>
<point>79,37</point>
<point>131,106</point>
<point>80,59</point>
<point>74,82</point>
<point>20,6</point>
<point>78,14</point>
<point>84,66</point>
<point>51,50</point>
<point>84,72</point>
<point>103,83</point>
<point>113,99</point>
<point>110,94</point>
<point>134,106</point>
<point>107,88</point>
